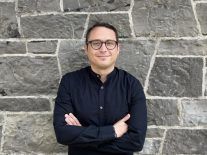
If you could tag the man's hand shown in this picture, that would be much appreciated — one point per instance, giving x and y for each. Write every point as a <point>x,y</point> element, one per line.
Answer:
<point>121,127</point>
<point>72,120</point>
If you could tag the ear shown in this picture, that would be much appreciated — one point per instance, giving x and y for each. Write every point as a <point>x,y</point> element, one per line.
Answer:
<point>118,48</point>
<point>86,49</point>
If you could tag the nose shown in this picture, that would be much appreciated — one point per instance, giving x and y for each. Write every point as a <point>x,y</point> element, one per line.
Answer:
<point>103,47</point>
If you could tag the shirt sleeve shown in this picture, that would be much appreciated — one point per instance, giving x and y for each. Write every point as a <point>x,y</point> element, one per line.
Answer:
<point>134,139</point>
<point>75,135</point>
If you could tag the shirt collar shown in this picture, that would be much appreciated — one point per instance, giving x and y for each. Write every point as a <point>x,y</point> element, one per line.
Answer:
<point>98,76</point>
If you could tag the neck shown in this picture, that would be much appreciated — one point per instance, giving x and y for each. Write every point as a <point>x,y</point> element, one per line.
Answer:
<point>102,72</point>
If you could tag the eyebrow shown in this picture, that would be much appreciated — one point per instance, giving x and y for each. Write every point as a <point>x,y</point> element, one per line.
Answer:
<point>102,40</point>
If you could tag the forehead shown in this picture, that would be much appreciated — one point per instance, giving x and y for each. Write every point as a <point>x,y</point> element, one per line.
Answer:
<point>102,33</point>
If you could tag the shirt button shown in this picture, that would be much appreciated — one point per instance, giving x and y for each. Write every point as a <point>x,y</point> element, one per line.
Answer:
<point>101,107</point>
<point>102,87</point>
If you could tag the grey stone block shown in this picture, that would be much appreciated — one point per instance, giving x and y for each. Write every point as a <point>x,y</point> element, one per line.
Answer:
<point>1,119</point>
<point>42,47</point>
<point>1,125</point>
<point>8,26</point>
<point>135,57</point>
<point>96,6</point>
<point>162,112</point>
<point>120,21</point>
<point>24,104</point>
<point>205,92</point>
<point>155,133</point>
<point>30,134</point>
<point>183,47</point>
<point>151,146</point>
<point>0,133</point>
<point>31,6</point>
<point>8,47</point>
<point>71,56</point>
<point>206,63</point>
<point>194,112</point>
<point>164,18</point>
<point>184,141</point>
<point>28,76</point>
<point>178,77</point>
<point>202,18</point>
<point>53,26</point>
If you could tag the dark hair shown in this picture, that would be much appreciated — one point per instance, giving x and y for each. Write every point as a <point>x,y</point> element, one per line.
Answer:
<point>102,25</point>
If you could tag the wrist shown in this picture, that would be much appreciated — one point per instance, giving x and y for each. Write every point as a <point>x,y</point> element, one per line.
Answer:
<point>115,135</point>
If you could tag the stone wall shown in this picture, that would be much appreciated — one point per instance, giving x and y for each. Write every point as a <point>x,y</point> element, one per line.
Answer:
<point>163,44</point>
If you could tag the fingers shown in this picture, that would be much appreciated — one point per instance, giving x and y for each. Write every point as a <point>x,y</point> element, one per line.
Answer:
<point>125,118</point>
<point>120,128</point>
<point>76,121</point>
<point>72,120</point>
<point>67,119</point>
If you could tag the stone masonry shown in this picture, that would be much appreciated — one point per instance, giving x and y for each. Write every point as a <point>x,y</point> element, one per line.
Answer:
<point>163,44</point>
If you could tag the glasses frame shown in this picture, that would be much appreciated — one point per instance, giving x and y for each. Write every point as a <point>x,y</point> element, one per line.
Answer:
<point>102,42</point>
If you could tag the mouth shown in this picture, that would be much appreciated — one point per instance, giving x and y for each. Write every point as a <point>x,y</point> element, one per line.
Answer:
<point>103,56</point>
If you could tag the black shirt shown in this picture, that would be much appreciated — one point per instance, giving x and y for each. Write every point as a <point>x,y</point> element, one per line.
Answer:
<point>98,106</point>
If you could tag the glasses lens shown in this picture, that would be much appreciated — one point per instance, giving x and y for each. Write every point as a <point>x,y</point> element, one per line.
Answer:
<point>96,44</point>
<point>110,44</point>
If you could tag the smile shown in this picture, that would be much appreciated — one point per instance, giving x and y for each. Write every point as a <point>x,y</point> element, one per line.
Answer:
<point>104,56</point>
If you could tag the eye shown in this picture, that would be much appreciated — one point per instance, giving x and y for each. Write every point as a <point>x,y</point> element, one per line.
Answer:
<point>110,43</point>
<point>96,43</point>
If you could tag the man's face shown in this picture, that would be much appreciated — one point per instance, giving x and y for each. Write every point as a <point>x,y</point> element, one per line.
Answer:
<point>102,58</point>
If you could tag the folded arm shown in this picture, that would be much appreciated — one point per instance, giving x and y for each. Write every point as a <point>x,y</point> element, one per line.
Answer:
<point>102,138</point>
<point>76,135</point>
<point>133,133</point>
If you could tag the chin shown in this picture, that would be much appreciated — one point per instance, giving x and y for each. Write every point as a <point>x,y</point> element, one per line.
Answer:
<point>105,66</point>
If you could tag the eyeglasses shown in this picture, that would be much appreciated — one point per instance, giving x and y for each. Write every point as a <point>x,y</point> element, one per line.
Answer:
<point>97,44</point>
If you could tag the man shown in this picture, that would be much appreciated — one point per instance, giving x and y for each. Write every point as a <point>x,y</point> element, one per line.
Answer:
<point>100,109</point>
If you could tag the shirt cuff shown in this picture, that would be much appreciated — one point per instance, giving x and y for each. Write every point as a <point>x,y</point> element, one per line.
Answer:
<point>107,132</point>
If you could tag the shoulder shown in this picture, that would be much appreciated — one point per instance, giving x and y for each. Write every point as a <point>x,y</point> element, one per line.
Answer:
<point>129,78</point>
<point>75,75</point>
<point>126,75</point>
